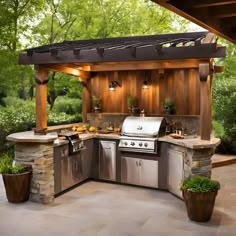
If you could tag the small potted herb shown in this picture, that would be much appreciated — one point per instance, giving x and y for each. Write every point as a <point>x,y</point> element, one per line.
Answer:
<point>169,106</point>
<point>199,193</point>
<point>131,102</point>
<point>16,179</point>
<point>96,103</point>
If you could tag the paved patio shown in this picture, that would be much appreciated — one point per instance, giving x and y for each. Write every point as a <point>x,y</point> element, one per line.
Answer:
<point>102,209</point>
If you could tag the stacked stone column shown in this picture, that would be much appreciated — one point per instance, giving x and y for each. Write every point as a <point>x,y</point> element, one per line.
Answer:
<point>198,162</point>
<point>40,157</point>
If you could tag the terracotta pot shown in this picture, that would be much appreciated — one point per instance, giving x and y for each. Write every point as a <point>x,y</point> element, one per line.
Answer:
<point>199,205</point>
<point>17,186</point>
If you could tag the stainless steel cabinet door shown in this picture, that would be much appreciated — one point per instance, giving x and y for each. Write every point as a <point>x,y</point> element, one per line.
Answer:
<point>130,170</point>
<point>107,160</point>
<point>66,175</point>
<point>87,157</point>
<point>148,173</point>
<point>175,171</point>
<point>77,168</point>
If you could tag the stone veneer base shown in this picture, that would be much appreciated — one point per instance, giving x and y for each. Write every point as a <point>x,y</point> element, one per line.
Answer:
<point>40,157</point>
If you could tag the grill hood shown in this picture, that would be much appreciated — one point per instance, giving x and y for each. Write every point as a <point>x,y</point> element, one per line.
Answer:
<point>143,126</point>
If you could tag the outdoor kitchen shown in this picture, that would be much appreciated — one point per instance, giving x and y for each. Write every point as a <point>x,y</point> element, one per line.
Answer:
<point>140,145</point>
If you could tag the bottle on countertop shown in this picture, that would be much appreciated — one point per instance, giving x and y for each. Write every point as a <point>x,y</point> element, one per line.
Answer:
<point>142,113</point>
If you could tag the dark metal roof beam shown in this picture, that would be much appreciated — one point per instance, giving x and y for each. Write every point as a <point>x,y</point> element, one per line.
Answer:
<point>126,40</point>
<point>124,55</point>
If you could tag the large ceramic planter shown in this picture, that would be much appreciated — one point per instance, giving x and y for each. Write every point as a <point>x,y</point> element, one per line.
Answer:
<point>17,186</point>
<point>199,205</point>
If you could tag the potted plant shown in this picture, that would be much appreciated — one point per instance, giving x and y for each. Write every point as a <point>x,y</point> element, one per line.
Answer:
<point>96,103</point>
<point>169,106</point>
<point>131,102</point>
<point>199,193</point>
<point>16,179</point>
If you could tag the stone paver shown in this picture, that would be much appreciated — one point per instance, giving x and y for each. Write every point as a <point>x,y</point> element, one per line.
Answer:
<point>103,209</point>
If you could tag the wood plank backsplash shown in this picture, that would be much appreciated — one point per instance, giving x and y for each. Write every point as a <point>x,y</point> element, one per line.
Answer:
<point>180,85</point>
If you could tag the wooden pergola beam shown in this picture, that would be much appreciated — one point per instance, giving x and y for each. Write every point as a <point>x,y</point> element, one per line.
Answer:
<point>68,70</point>
<point>144,65</point>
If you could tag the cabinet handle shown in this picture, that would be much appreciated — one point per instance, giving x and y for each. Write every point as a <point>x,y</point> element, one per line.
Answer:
<point>107,147</point>
<point>137,163</point>
<point>140,163</point>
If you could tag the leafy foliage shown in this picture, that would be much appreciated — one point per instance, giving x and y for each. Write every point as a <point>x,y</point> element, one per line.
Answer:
<point>7,167</point>
<point>169,106</point>
<point>70,106</point>
<point>224,102</point>
<point>19,115</point>
<point>131,101</point>
<point>200,184</point>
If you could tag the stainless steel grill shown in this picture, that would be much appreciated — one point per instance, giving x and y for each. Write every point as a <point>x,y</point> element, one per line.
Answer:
<point>75,143</point>
<point>140,134</point>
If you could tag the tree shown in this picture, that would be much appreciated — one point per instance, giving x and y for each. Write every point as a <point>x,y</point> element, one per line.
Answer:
<point>16,21</point>
<point>102,18</point>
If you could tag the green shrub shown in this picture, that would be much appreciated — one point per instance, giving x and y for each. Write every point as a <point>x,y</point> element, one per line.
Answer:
<point>19,115</point>
<point>224,104</point>
<point>69,106</point>
<point>200,184</point>
<point>18,102</point>
<point>16,119</point>
<point>7,167</point>
<point>218,129</point>
<point>227,146</point>
<point>56,118</point>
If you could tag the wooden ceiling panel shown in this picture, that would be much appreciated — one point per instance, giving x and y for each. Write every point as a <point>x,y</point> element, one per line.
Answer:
<point>211,3</point>
<point>210,14</point>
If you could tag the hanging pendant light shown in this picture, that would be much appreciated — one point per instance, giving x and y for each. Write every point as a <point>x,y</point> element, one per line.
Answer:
<point>145,83</point>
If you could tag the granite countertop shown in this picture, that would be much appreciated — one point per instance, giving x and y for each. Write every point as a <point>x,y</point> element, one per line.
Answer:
<point>30,137</point>
<point>193,143</point>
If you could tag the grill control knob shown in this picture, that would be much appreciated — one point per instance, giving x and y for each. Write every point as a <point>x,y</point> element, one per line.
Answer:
<point>125,143</point>
<point>132,143</point>
<point>145,144</point>
<point>140,144</point>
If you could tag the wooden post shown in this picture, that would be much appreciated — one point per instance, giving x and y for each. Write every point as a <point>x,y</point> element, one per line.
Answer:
<point>205,102</point>
<point>86,100</point>
<point>41,79</point>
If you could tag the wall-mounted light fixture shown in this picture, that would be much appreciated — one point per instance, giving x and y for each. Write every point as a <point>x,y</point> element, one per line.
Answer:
<point>113,85</point>
<point>145,82</point>
<point>161,73</point>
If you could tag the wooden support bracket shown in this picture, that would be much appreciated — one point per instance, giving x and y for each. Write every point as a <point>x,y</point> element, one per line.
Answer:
<point>100,51</point>
<point>204,71</point>
<point>133,51</point>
